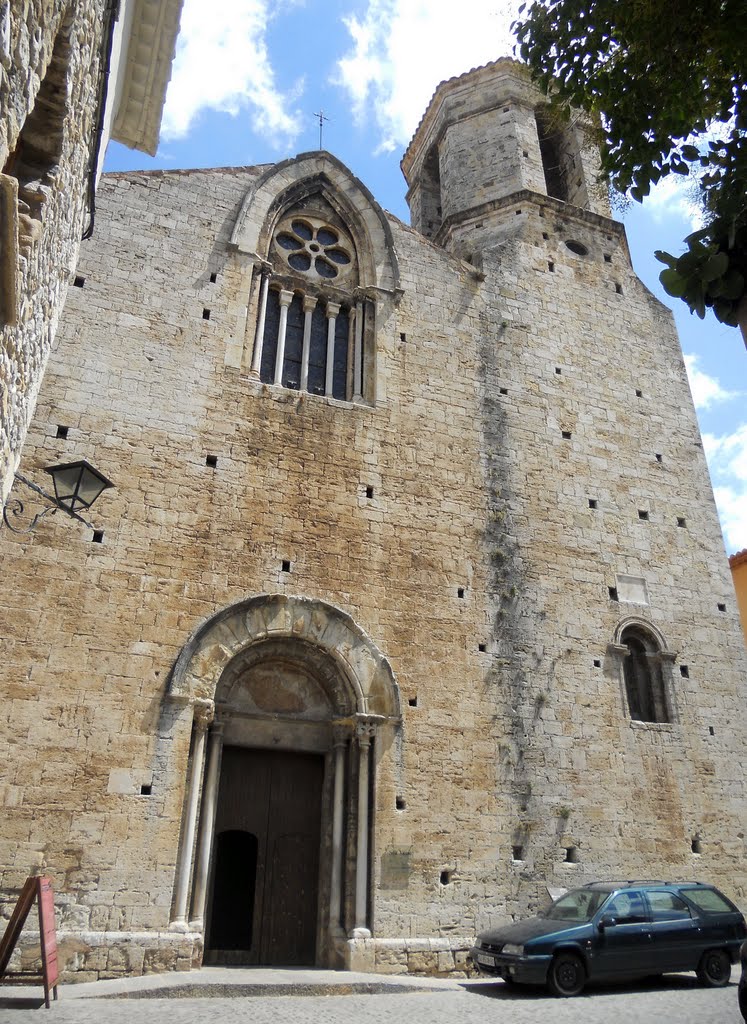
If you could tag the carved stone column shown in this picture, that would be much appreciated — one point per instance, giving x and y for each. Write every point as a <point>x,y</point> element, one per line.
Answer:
<point>209,802</point>
<point>335,885</point>
<point>358,355</point>
<point>333,309</point>
<point>309,302</point>
<point>365,730</point>
<point>203,716</point>
<point>286,298</point>
<point>260,335</point>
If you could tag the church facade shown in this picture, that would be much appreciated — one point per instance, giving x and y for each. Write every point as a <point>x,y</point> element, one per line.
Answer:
<point>409,606</point>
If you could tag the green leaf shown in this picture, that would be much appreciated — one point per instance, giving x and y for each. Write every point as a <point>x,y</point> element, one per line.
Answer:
<point>715,267</point>
<point>674,283</point>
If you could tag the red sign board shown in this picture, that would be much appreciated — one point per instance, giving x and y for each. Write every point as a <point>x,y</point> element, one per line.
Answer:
<point>39,889</point>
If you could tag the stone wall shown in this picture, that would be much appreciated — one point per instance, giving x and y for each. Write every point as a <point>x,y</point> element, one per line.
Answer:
<point>52,163</point>
<point>480,520</point>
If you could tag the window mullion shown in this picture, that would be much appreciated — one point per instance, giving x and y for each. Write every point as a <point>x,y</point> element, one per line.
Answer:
<point>260,335</point>
<point>286,298</point>
<point>309,302</point>
<point>358,356</point>
<point>333,308</point>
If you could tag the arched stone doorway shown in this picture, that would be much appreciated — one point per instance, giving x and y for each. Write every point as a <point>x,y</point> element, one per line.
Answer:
<point>291,700</point>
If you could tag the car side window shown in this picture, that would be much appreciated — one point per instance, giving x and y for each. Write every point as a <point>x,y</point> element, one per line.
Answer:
<point>627,908</point>
<point>665,906</point>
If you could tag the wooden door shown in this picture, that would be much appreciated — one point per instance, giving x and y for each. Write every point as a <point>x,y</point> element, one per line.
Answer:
<point>264,899</point>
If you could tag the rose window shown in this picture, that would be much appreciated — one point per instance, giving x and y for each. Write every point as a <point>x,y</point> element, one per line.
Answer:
<point>314,248</point>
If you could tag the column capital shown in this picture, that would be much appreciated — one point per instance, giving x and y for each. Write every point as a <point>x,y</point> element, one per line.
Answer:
<point>285,297</point>
<point>366,726</point>
<point>309,303</point>
<point>618,650</point>
<point>204,712</point>
<point>333,309</point>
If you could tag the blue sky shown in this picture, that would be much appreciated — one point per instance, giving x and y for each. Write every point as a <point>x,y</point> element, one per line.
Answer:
<point>250,75</point>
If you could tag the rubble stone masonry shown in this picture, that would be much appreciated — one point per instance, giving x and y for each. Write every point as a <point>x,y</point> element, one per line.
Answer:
<point>49,88</point>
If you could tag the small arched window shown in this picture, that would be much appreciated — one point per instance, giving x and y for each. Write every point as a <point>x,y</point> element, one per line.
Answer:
<point>644,680</point>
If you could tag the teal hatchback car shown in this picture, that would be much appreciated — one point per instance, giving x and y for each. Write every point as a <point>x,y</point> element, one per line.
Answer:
<point>611,931</point>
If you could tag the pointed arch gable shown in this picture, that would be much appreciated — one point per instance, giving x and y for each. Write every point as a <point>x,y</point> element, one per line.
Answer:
<point>320,173</point>
<point>218,641</point>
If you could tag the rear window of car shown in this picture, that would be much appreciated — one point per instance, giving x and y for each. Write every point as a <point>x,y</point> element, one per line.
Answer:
<point>710,901</point>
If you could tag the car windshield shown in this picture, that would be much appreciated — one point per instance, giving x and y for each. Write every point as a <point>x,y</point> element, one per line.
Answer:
<point>578,905</point>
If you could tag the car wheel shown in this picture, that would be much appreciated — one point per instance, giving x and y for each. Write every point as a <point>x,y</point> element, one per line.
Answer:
<point>714,969</point>
<point>567,975</point>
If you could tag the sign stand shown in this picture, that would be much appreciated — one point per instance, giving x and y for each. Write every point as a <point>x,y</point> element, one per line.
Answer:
<point>37,888</point>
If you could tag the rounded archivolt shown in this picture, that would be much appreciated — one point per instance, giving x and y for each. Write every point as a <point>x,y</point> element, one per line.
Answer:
<point>362,667</point>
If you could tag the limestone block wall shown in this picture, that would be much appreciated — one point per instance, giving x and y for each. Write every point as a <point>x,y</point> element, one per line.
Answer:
<point>142,384</point>
<point>35,277</point>
<point>596,473</point>
<point>450,519</point>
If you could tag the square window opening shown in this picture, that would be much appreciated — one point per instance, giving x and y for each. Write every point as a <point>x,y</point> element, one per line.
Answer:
<point>517,853</point>
<point>78,281</point>
<point>684,671</point>
<point>62,432</point>
<point>206,314</point>
<point>285,565</point>
<point>681,522</point>
<point>399,803</point>
<point>98,537</point>
<point>213,277</point>
<point>643,514</point>
<point>211,460</point>
<point>721,606</point>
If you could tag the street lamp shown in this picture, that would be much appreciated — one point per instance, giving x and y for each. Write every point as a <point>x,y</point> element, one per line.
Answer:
<point>76,486</point>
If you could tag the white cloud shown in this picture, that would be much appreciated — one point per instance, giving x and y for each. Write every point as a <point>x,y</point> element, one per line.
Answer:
<point>674,196</point>
<point>402,49</point>
<point>706,390</point>
<point>727,461</point>
<point>222,63</point>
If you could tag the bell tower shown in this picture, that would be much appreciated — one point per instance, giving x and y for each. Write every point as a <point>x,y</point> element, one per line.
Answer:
<point>486,138</point>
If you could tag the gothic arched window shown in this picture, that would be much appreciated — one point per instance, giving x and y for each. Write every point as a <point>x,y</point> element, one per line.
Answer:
<point>312,324</point>
<point>644,679</point>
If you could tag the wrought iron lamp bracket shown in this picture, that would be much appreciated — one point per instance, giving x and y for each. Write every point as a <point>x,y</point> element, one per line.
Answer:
<point>15,508</point>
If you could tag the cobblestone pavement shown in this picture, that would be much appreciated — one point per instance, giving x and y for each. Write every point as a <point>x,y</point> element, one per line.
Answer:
<point>677,1000</point>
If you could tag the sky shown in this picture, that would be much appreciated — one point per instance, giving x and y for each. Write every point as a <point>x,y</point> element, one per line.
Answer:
<point>251,76</point>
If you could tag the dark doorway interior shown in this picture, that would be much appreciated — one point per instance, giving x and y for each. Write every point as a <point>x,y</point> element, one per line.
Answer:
<point>264,900</point>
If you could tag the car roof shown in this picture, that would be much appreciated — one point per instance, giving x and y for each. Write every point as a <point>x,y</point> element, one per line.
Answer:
<point>638,883</point>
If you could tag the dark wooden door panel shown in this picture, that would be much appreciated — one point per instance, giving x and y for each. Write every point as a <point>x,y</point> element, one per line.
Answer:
<point>269,807</point>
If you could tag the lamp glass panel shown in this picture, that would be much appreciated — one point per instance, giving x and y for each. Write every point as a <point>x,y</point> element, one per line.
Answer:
<point>65,484</point>
<point>91,486</point>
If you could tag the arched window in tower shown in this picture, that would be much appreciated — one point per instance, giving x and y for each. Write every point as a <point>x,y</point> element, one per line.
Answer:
<point>644,681</point>
<point>312,323</point>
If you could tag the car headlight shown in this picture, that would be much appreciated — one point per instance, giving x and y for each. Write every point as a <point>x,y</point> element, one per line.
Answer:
<point>512,949</point>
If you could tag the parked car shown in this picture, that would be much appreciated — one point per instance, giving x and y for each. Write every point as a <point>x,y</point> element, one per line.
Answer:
<point>743,981</point>
<point>616,930</point>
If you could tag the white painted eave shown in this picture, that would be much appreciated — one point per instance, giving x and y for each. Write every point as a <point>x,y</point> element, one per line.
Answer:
<point>149,54</point>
